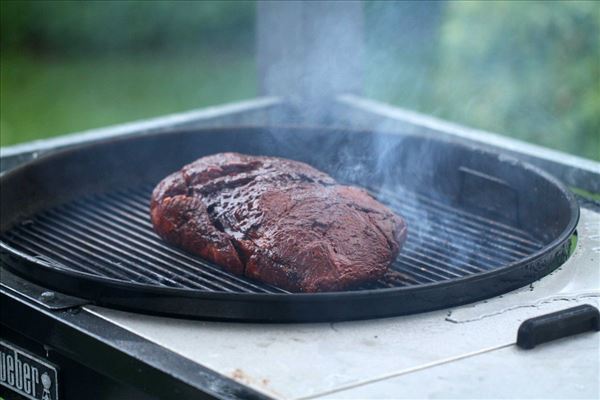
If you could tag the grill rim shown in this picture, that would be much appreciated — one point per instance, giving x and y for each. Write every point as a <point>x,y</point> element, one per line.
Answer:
<point>267,296</point>
<point>297,307</point>
<point>551,255</point>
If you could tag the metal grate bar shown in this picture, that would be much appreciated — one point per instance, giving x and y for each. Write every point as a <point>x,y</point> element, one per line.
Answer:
<point>108,207</point>
<point>111,235</point>
<point>499,247</point>
<point>460,259</point>
<point>105,252</point>
<point>457,248</point>
<point>46,247</point>
<point>131,238</point>
<point>95,235</point>
<point>518,235</point>
<point>55,253</point>
<point>435,257</point>
<point>457,228</point>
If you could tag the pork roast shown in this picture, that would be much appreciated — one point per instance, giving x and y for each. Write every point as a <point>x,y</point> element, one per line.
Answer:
<point>277,221</point>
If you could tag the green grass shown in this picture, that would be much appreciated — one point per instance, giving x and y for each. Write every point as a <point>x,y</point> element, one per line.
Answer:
<point>573,243</point>
<point>585,194</point>
<point>43,97</point>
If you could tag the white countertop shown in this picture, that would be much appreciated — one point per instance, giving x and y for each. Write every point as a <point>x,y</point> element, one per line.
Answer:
<point>466,351</point>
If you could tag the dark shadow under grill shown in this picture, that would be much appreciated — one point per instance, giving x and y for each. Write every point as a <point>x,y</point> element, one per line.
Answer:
<point>110,235</point>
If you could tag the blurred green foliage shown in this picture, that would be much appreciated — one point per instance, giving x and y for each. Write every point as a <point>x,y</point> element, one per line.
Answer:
<point>532,70</point>
<point>526,69</point>
<point>69,66</point>
<point>63,27</point>
<point>55,96</point>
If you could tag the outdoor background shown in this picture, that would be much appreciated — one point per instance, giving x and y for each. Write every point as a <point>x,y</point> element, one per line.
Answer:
<point>530,70</point>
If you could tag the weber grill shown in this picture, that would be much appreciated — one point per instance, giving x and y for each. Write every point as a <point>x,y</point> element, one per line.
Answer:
<point>479,224</point>
<point>498,249</point>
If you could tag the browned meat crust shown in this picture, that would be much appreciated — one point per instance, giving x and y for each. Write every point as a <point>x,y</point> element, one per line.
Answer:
<point>278,221</point>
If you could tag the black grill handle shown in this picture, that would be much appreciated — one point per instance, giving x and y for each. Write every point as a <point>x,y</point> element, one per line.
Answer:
<point>557,325</point>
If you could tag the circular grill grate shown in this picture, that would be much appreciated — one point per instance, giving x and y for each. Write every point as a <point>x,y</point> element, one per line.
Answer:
<point>110,235</point>
<point>480,224</point>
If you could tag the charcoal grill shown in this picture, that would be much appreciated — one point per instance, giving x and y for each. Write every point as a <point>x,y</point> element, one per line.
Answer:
<point>74,219</point>
<point>480,224</point>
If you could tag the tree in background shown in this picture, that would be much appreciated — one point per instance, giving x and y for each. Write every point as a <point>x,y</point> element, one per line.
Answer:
<point>527,69</point>
<point>75,65</point>
<point>92,27</point>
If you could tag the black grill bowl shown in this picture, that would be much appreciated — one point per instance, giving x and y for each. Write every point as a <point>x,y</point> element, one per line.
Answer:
<point>480,224</point>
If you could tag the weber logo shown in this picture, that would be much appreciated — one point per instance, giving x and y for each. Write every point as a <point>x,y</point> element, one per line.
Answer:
<point>27,374</point>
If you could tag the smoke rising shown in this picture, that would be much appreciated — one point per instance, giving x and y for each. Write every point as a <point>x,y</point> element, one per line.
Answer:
<point>420,177</point>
